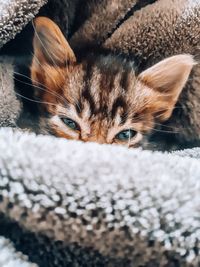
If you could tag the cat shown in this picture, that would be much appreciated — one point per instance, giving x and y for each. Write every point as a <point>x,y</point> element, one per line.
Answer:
<point>100,96</point>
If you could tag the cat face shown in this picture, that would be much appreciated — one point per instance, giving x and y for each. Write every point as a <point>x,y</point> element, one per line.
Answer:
<point>100,98</point>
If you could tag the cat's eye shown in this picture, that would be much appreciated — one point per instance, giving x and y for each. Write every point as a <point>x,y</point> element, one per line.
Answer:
<point>71,124</point>
<point>126,135</point>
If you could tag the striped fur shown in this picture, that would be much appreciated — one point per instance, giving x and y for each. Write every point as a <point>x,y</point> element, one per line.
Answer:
<point>103,94</point>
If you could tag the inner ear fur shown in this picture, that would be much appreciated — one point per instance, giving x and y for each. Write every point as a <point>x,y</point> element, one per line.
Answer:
<point>166,81</point>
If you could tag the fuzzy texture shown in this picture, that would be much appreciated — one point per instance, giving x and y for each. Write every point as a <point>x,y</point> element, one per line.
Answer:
<point>10,106</point>
<point>132,208</point>
<point>95,30</point>
<point>152,33</point>
<point>102,18</point>
<point>14,15</point>
<point>10,258</point>
<point>62,12</point>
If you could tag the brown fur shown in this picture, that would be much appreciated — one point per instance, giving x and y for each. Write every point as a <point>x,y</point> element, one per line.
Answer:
<point>160,30</point>
<point>102,93</point>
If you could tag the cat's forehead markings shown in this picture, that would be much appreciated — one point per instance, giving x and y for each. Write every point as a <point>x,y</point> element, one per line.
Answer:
<point>75,76</point>
<point>85,115</point>
<point>94,85</point>
<point>117,119</point>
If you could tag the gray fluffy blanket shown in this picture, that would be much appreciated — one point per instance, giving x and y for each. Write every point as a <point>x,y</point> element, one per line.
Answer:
<point>14,15</point>
<point>65,203</point>
<point>98,205</point>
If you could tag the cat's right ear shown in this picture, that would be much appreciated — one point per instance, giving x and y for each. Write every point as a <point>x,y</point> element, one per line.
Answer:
<point>49,44</point>
<point>164,83</point>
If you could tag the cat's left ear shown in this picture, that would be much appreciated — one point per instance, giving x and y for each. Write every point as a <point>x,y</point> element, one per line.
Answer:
<point>50,45</point>
<point>166,80</point>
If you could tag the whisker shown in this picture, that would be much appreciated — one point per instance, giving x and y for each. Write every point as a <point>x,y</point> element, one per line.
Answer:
<point>41,88</point>
<point>166,109</point>
<point>166,126</point>
<point>27,77</point>
<point>47,72</point>
<point>37,101</point>
<point>142,116</point>
<point>44,45</point>
<point>162,131</point>
<point>15,124</point>
<point>162,124</point>
<point>129,140</point>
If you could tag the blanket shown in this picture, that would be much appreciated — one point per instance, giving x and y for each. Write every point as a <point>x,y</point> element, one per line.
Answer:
<point>14,15</point>
<point>65,203</point>
<point>10,106</point>
<point>98,205</point>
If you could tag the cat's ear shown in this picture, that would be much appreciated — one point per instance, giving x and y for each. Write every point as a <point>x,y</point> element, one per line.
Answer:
<point>166,80</point>
<point>50,45</point>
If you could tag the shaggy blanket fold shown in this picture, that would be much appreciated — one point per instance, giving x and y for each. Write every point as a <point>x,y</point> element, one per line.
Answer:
<point>10,106</point>
<point>131,208</point>
<point>65,203</point>
<point>14,15</point>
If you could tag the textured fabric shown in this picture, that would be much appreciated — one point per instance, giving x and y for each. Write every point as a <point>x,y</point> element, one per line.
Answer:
<point>103,20</point>
<point>10,258</point>
<point>9,105</point>
<point>135,208</point>
<point>14,15</point>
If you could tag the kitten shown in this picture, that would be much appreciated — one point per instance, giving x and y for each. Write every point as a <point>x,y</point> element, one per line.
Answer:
<point>101,97</point>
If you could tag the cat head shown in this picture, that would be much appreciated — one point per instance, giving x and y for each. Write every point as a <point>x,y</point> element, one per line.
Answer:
<point>101,98</point>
